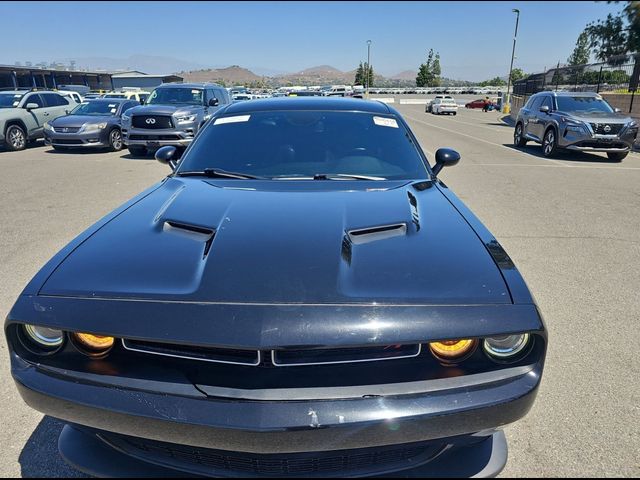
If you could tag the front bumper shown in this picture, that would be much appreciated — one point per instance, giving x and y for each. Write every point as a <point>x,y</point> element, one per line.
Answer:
<point>96,138</point>
<point>159,138</point>
<point>585,142</point>
<point>178,412</point>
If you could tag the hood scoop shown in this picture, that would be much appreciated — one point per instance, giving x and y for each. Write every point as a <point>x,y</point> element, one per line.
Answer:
<point>193,232</point>
<point>371,234</point>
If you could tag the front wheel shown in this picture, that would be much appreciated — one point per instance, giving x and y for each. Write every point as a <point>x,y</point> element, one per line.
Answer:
<point>518,136</point>
<point>617,156</point>
<point>549,143</point>
<point>137,151</point>
<point>15,138</point>
<point>115,140</point>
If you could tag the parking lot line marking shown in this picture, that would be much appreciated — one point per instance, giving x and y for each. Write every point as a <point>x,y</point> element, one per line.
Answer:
<point>483,140</point>
<point>609,167</point>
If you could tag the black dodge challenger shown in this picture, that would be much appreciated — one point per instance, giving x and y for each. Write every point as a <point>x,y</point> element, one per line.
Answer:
<point>301,296</point>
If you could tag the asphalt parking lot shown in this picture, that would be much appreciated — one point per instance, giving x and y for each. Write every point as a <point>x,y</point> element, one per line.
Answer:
<point>571,224</point>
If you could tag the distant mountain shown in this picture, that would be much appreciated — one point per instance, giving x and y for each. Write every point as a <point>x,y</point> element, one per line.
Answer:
<point>233,75</point>
<point>406,75</point>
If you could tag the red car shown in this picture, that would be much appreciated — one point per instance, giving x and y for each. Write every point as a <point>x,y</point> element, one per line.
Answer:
<point>480,103</point>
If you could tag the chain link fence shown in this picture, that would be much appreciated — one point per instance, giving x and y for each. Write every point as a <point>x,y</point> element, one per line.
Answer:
<point>617,76</point>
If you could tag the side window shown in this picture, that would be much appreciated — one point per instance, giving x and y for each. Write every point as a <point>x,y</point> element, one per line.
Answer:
<point>54,100</point>
<point>535,104</point>
<point>547,102</point>
<point>220,95</point>
<point>33,98</point>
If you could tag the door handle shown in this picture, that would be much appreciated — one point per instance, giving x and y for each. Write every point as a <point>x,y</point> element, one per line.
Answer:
<point>46,114</point>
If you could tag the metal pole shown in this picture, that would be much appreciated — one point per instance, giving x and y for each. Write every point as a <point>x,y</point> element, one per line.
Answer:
<point>599,79</point>
<point>368,69</point>
<point>513,52</point>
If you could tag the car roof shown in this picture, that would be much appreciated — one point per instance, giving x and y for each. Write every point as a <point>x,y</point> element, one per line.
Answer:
<point>569,94</point>
<point>110,100</point>
<point>309,103</point>
<point>189,85</point>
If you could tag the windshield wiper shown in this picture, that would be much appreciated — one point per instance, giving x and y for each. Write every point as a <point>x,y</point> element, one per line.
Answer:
<point>330,176</point>
<point>217,173</point>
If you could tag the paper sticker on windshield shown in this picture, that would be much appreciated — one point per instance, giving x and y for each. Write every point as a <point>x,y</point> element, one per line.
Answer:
<point>15,104</point>
<point>385,122</point>
<point>113,110</point>
<point>236,119</point>
<point>111,105</point>
<point>17,96</point>
<point>195,91</point>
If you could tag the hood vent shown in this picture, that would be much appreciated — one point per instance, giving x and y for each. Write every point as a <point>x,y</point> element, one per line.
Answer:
<point>371,234</point>
<point>194,232</point>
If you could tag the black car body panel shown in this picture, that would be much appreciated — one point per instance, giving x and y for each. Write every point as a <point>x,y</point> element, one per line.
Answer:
<point>282,269</point>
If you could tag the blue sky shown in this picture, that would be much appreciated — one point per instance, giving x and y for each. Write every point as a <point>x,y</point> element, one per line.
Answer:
<point>474,38</point>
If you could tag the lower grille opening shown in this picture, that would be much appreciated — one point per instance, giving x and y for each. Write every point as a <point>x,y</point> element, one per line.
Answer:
<point>209,461</point>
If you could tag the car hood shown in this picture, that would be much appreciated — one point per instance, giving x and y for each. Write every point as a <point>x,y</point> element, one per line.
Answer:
<point>236,241</point>
<point>164,110</point>
<point>597,117</point>
<point>79,120</point>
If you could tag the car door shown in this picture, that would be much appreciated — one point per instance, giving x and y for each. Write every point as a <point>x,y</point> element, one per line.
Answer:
<point>34,118</point>
<point>542,118</point>
<point>55,105</point>
<point>529,117</point>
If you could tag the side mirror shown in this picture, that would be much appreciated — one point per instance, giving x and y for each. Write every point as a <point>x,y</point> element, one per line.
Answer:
<point>445,157</point>
<point>165,156</point>
<point>544,108</point>
<point>617,110</point>
<point>213,102</point>
<point>32,106</point>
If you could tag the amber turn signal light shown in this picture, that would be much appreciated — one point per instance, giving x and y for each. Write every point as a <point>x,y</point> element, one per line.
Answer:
<point>452,350</point>
<point>93,344</point>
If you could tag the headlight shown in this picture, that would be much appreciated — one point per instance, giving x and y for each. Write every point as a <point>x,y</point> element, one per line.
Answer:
<point>47,126</point>
<point>575,128</point>
<point>506,346</point>
<point>125,118</point>
<point>186,119</point>
<point>633,124</point>
<point>92,345</point>
<point>452,350</point>
<point>95,126</point>
<point>47,339</point>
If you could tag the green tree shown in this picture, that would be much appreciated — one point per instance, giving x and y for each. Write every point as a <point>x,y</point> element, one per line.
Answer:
<point>608,38</point>
<point>368,73</point>
<point>436,81</point>
<point>359,80</point>
<point>581,52</point>
<point>425,72</point>
<point>517,74</point>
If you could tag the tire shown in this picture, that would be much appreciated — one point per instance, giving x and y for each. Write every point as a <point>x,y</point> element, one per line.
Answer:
<point>137,150</point>
<point>518,136</point>
<point>455,113</point>
<point>617,156</point>
<point>115,140</point>
<point>15,138</point>
<point>549,143</point>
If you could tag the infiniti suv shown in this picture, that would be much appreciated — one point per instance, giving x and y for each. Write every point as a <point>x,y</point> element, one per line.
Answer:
<point>575,121</point>
<point>172,115</point>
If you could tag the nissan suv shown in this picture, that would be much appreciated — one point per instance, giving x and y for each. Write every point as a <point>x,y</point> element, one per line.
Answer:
<point>575,121</point>
<point>172,115</point>
<point>23,114</point>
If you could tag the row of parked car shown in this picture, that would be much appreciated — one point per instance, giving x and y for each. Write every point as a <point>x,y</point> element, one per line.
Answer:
<point>171,115</point>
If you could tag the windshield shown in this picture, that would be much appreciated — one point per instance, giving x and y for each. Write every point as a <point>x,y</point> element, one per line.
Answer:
<point>175,96</point>
<point>307,143</point>
<point>10,100</point>
<point>115,95</point>
<point>583,104</point>
<point>95,108</point>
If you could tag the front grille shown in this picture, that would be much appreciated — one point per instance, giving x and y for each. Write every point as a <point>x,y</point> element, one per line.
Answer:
<point>601,128</point>
<point>154,137</point>
<point>599,144</point>
<point>343,355</point>
<point>66,129</point>
<point>207,354</point>
<point>66,141</point>
<point>152,122</point>
<point>210,461</point>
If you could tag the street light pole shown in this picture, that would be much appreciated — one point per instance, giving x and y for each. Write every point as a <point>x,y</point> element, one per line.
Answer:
<point>513,52</point>
<point>368,67</point>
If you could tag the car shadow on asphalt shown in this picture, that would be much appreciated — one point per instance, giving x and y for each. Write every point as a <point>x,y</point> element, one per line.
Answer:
<point>40,458</point>
<point>76,151</point>
<point>536,151</point>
